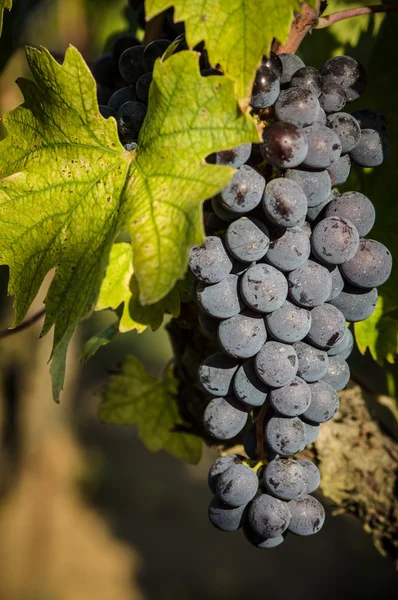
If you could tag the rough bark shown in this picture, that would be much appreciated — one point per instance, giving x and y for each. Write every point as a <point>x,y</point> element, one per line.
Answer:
<point>356,455</point>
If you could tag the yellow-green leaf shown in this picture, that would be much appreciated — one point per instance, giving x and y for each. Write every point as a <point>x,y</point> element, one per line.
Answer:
<point>3,5</point>
<point>237,33</point>
<point>379,334</point>
<point>68,187</point>
<point>134,398</point>
<point>120,286</point>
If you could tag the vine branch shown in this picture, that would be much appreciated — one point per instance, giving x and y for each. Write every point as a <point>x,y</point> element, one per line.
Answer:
<point>347,13</point>
<point>24,325</point>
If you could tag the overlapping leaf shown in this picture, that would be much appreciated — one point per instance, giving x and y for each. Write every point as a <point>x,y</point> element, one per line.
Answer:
<point>132,397</point>
<point>237,33</point>
<point>119,286</point>
<point>3,5</point>
<point>67,187</point>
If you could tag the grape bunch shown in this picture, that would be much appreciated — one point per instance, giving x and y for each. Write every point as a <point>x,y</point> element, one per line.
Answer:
<point>285,265</point>
<point>124,77</point>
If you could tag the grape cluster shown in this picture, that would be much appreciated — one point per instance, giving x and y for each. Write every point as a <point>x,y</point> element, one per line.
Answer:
<point>285,265</point>
<point>124,77</point>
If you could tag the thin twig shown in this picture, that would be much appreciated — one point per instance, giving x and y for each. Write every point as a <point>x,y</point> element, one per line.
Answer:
<point>354,12</point>
<point>24,325</point>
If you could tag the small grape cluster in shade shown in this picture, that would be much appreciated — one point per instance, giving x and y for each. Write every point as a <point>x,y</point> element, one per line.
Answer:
<point>124,78</point>
<point>285,265</point>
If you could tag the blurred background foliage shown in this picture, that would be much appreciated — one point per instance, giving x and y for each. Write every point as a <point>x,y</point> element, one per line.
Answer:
<point>85,511</point>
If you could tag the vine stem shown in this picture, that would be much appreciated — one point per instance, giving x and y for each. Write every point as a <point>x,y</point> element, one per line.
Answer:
<point>24,325</point>
<point>309,19</point>
<point>348,13</point>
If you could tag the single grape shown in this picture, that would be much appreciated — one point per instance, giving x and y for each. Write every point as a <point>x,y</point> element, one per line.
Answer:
<point>209,262</point>
<point>327,326</point>
<point>106,111</point>
<point>274,63</point>
<point>372,149</point>
<point>337,281</point>
<point>311,431</point>
<point>292,399</point>
<point>340,170</point>
<point>371,265</point>
<point>356,304</point>
<point>220,300</point>
<point>285,435</point>
<point>122,43</point>
<point>298,106</point>
<point>120,97</point>
<point>344,348</point>
<point>312,474</point>
<point>312,362</point>
<point>315,184</point>
<point>335,240</point>
<point>105,70</point>
<point>338,373</point>
<point>130,118</point>
<point>368,118</point>
<point>284,202</point>
<point>245,191</point>
<point>284,145</point>
<point>347,72</point>
<point>268,516</point>
<point>355,207</point>
<point>131,64</point>
<point>208,324</point>
<point>263,288</point>
<point>221,211</point>
<point>247,239</point>
<point>236,157</point>
<point>291,63</point>
<point>154,50</point>
<point>321,120</point>
<point>285,479</point>
<point>226,517</point>
<point>248,388</point>
<point>220,465</point>
<point>315,213</point>
<point>289,323</point>
<point>308,78</point>
<point>333,97</point>
<point>260,541</point>
<point>224,418</point>
<point>309,285</point>
<point>237,485</point>
<point>276,364</point>
<point>142,87</point>
<point>347,128</point>
<point>289,248</point>
<point>307,516</point>
<point>242,335</point>
<point>324,402</point>
<point>266,88</point>
<point>216,372</point>
<point>324,147</point>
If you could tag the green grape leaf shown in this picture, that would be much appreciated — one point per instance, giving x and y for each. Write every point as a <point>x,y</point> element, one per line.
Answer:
<point>237,33</point>
<point>3,5</point>
<point>100,339</point>
<point>120,286</point>
<point>134,398</point>
<point>379,334</point>
<point>68,187</point>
